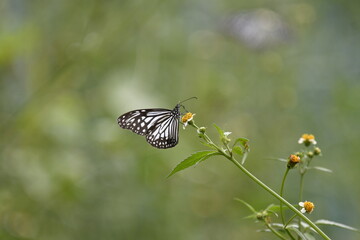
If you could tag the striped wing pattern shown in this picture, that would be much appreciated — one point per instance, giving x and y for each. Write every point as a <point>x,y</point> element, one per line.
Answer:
<point>160,126</point>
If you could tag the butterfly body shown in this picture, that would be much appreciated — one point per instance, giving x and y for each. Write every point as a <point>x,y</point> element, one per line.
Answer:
<point>160,126</point>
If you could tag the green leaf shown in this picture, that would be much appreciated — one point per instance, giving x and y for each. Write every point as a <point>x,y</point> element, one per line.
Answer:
<point>244,157</point>
<point>238,150</point>
<point>276,208</point>
<point>207,144</point>
<point>246,204</point>
<point>332,223</point>
<point>321,169</point>
<point>243,141</point>
<point>220,131</point>
<point>300,234</point>
<point>309,236</point>
<point>279,159</point>
<point>251,216</point>
<point>192,160</point>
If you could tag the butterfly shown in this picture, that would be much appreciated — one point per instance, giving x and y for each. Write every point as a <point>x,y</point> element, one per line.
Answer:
<point>160,126</point>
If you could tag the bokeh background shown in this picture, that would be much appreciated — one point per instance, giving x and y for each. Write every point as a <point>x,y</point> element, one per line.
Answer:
<point>266,70</point>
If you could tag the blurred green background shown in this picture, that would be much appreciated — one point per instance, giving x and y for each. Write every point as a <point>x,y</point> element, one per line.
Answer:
<point>266,70</point>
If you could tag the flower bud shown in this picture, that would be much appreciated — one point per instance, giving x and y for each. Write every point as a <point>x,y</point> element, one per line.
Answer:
<point>310,154</point>
<point>317,151</point>
<point>225,138</point>
<point>202,130</point>
<point>293,160</point>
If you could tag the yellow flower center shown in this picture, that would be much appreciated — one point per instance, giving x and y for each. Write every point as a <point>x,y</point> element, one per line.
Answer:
<point>309,206</point>
<point>308,137</point>
<point>186,117</point>
<point>293,158</point>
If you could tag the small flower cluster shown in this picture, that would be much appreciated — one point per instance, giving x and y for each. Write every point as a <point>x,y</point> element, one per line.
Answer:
<point>187,119</point>
<point>307,139</point>
<point>293,160</point>
<point>307,207</point>
<point>304,157</point>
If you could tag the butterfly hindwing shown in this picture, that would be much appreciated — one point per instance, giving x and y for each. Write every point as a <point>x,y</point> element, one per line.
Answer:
<point>160,126</point>
<point>165,133</point>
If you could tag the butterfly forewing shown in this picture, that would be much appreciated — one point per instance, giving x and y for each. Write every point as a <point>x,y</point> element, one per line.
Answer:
<point>160,126</point>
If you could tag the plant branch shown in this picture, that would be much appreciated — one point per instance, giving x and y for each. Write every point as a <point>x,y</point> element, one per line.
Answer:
<point>263,185</point>
<point>281,204</point>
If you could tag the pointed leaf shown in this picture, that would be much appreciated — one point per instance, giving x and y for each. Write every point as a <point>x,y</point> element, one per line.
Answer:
<point>332,223</point>
<point>277,215</point>
<point>206,144</point>
<point>270,207</point>
<point>321,169</point>
<point>243,141</point>
<point>252,216</point>
<point>276,208</point>
<point>246,204</point>
<point>300,234</point>
<point>220,131</point>
<point>192,160</point>
<point>243,159</point>
<point>309,236</point>
<point>279,159</point>
<point>238,150</point>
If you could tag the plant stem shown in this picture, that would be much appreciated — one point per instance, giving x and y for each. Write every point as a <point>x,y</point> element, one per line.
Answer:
<point>301,194</point>
<point>290,220</point>
<point>281,194</point>
<point>263,185</point>
<point>272,192</point>
<point>281,204</point>
<point>274,231</point>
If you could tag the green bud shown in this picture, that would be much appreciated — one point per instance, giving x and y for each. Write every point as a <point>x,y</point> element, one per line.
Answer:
<point>202,130</point>
<point>317,151</point>
<point>310,154</point>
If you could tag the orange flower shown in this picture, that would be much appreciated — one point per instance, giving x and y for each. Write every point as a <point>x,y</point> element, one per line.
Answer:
<point>293,160</point>
<point>307,207</point>
<point>187,118</point>
<point>307,139</point>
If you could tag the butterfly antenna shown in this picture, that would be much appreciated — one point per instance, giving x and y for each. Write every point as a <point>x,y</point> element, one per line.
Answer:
<point>185,101</point>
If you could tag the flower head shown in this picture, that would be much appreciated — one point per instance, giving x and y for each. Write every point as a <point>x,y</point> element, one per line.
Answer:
<point>293,160</point>
<point>187,118</point>
<point>307,139</point>
<point>307,207</point>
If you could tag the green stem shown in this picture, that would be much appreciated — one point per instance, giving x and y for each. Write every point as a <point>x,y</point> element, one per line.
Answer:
<point>281,204</point>
<point>281,194</point>
<point>265,187</point>
<point>272,192</point>
<point>274,231</point>
<point>301,194</point>
<point>290,220</point>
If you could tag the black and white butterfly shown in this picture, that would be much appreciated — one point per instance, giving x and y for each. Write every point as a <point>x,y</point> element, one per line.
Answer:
<point>160,126</point>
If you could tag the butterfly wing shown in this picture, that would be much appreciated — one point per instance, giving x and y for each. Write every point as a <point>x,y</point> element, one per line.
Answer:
<point>165,134</point>
<point>160,126</point>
